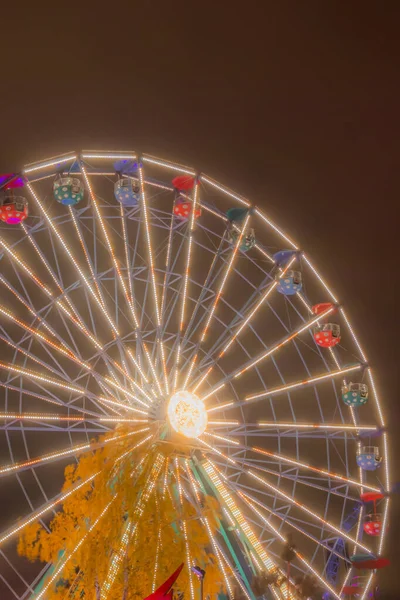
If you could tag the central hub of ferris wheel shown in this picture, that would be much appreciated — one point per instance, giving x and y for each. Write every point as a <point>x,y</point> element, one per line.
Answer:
<point>187,414</point>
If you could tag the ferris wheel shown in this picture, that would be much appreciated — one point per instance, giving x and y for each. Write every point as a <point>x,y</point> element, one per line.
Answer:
<point>140,292</point>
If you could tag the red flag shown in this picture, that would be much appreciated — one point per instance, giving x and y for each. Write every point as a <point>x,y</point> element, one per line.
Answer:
<point>163,592</point>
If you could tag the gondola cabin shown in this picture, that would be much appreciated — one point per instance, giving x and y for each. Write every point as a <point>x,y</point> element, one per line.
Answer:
<point>13,209</point>
<point>247,242</point>
<point>183,208</point>
<point>290,283</point>
<point>127,191</point>
<point>68,190</point>
<point>327,335</point>
<point>355,394</point>
<point>369,458</point>
<point>373,524</point>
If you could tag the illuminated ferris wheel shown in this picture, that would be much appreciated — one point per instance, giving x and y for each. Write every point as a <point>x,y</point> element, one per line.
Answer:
<point>136,291</point>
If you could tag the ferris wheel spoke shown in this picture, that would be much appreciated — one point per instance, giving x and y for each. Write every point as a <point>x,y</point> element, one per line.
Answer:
<point>55,456</point>
<point>164,296</point>
<point>52,400</point>
<point>276,456</point>
<point>45,508</point>
<point>29,588</point>
<point>204,290</point>
<point>246,321</point>
<point>36,333</point>
<point>64,561</point>
<point>274,530</point>
<point>211,312</point>
<point>261,557</point>
<point>182,320</point>
<point>299,505</point>
<point>54,418</point>
<point>24,267</point>
<point>252,363</point>
<point>72,259</point>
<point>243,492</point>
<point>284,388</point>
<point>214,543</point>
<point>39,378</point>
<point>308,481</point>
<point>114,261</point>
<point>115,385</point>
<point>153,281</point>
<point>87,257</point>
<point>73,316</point>
<point>315,426</point>
<point>27,354</point>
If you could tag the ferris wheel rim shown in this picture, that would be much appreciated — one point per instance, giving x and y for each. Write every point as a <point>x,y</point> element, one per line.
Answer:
<point>205,180</point>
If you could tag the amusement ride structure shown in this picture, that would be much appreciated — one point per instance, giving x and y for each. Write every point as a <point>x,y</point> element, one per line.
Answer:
<point>139,293</point>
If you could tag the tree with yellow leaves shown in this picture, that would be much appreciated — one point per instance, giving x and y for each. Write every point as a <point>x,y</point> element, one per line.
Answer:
<point>121,535</point>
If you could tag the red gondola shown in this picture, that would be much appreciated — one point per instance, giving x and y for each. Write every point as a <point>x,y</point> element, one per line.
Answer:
<point>327,335</point>
<point>183,209</point>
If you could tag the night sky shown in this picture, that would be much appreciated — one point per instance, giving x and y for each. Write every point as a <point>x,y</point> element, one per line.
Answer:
<point>295,106</point>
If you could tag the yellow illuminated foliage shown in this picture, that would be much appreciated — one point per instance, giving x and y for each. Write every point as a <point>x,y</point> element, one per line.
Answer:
<point>125,482</point>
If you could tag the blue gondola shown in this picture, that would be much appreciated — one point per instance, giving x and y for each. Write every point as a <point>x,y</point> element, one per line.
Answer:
<point>355,394</point>
<point>290,283</point>
<point>368,458</point>
<point>68,190</point>
<point>127,191</point>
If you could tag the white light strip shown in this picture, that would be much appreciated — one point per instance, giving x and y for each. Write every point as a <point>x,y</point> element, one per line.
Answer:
<point>137,366</point>
<point>223,423</point>
<point>216,300</point>
<point>215,547</point>
<point>63,350</point>
<point>25,268</point>
<point>41,378</point>
<point>320,279</point>
<point>212,392</point>
<point>271,224</point>
<point>67,250</point>
<point>227,271</point>
<point>149,247</point>
<point>121,405</point>
<point>220,406</point>
<point>76,321</point>
<point>110,249</point>
<point>221,437</point>
<point>83,246</point>
<point>305,508</point>
<point>259,552</point>
<point>125,391</point>
<point>292,386</point>
<point>243,325</point>
<point>47,417</point>
<point>171,166</point>
<point>283,539</point>
<point>284,342</point>
<point>38,514</point>
<point>291,461</point>
<point>49,164</point>
<point>110,156</point>
<point>64,562</point>
<point>339,426</point>
<point>224,190</point>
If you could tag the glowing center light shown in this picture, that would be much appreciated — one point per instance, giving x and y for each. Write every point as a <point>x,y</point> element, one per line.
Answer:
<point>187,414</point>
